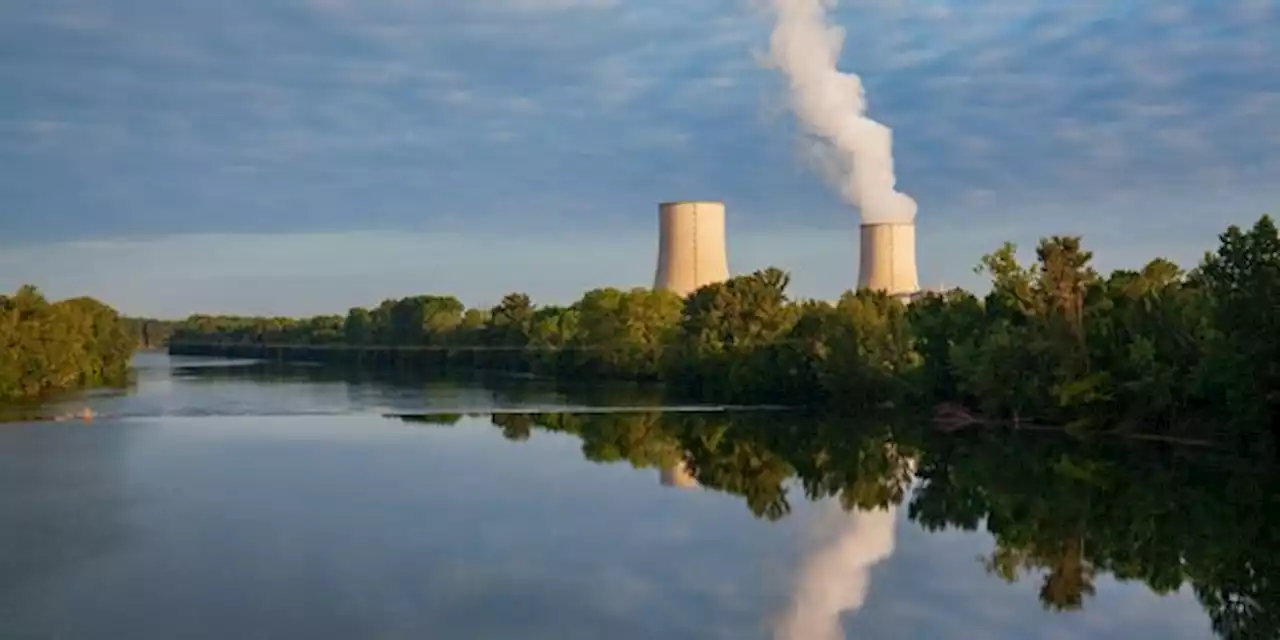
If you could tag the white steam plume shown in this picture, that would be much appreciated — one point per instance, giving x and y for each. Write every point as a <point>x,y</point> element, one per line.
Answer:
<point>832,105</point>
<point>836,576</point>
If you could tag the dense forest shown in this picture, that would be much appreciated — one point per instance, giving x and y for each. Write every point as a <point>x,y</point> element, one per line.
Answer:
<point>1158,350</point>
<point>1062,512</point>
<point>47,347</point>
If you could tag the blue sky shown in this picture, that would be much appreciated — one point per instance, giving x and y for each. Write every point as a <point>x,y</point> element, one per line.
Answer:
<point>302,156</point>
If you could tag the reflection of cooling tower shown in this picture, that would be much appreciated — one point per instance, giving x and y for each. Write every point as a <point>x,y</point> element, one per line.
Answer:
<point>888,261</point>
<point>677,475</point>
<point>691,246</point>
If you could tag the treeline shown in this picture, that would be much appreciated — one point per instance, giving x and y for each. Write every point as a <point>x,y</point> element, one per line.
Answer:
<point>1156,350</point>
<point>1062,512</point>
<point>151,333</point>
<point>47,347</point>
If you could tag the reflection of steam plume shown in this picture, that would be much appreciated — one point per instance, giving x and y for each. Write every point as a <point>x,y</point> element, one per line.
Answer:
<point>835,577</point>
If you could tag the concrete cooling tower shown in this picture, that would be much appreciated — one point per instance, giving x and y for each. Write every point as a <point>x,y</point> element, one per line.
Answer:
<point>691,246</point>
<point>888,260</point>
<point>677,475</point>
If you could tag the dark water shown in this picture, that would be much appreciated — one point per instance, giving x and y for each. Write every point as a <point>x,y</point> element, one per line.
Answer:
<point>216,502</point>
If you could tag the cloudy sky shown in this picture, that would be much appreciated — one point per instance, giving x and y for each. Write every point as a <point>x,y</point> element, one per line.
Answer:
<point>302,156</point>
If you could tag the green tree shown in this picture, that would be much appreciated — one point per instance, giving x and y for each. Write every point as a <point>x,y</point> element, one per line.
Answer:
<point>48,347</point>
<point>358,327</point>
<point>1242,281</point>
<point>725,333</point>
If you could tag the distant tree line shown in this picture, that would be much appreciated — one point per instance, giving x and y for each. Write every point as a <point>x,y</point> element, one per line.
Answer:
<point>52,346</point>
<point>151,334</point>
<point>1157,350</point>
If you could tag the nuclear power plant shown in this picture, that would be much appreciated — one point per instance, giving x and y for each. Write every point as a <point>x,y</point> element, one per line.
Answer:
<point>888,259</point>
<point>691,246</point>
<point>692,254</point>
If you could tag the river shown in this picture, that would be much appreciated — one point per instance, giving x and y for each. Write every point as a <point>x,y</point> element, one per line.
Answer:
<point>217,500</point>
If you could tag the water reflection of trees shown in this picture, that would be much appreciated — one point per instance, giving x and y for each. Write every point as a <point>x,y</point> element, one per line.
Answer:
<point>1062,512</point>
<point>1074,510</point>
<point>425,388</point>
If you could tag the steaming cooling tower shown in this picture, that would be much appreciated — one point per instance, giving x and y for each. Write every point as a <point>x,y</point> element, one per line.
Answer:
<point>691,246</point>
<point>888,261</point>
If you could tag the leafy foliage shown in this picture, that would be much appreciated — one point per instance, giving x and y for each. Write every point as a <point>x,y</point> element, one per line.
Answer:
<point>46,347</point>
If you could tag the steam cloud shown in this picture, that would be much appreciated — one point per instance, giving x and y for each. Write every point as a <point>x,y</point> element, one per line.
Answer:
<point>835,578</point>
<point>832,105</point>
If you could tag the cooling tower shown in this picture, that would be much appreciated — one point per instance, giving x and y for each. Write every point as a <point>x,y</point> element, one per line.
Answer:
<point>691,246</point>
<point>888,261</point>
<point>677,475</point>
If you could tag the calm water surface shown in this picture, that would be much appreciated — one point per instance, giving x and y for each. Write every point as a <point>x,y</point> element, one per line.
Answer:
<point>214,502</point>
